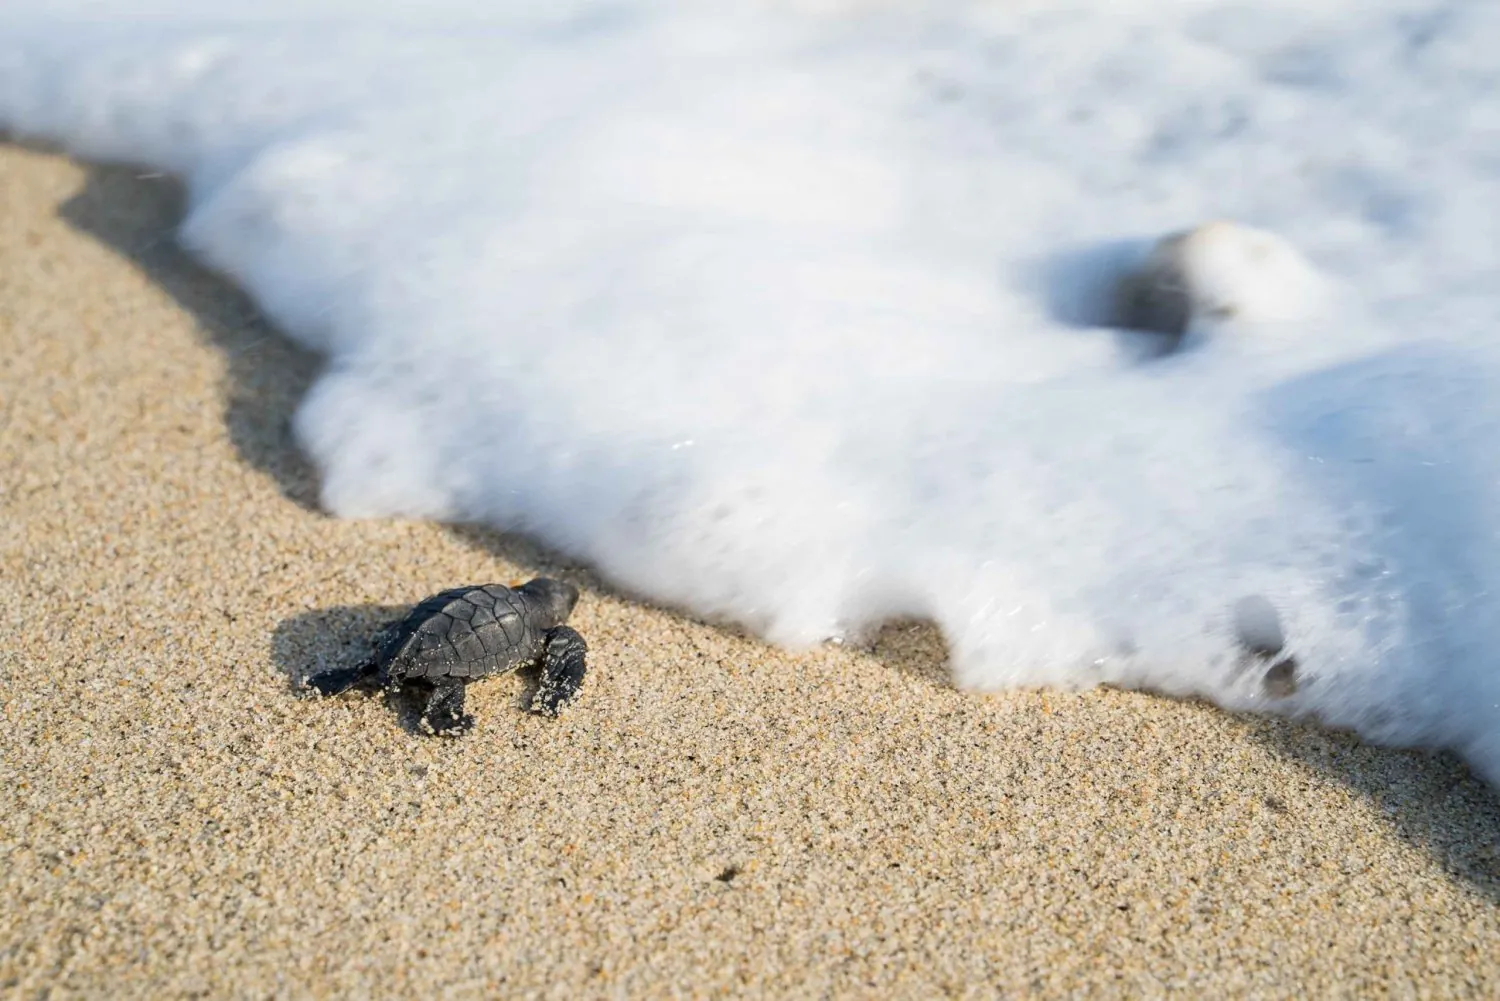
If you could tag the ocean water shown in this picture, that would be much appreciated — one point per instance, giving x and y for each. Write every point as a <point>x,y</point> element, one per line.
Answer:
<point>801,315</point>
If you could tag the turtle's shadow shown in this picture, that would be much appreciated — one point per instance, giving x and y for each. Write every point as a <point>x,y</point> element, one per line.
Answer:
<point>329,639</point>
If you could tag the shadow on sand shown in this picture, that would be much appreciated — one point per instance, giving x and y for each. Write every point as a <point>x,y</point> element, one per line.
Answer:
<point>335,638</point>
<point>1431,800</point>
<point>136,214</point>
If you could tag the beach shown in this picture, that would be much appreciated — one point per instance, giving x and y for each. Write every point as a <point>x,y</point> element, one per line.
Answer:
<point>712,817</point>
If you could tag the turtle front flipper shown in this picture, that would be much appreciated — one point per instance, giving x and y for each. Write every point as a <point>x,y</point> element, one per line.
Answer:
<point>562,671</point>
<point>443,713</point>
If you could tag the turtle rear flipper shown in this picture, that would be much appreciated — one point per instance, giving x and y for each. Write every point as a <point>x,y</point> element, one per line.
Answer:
<point>443,714</point>
<point>342,679</point>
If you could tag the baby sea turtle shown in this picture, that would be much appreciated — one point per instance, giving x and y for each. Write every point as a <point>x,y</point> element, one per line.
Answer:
<point>468,633</point>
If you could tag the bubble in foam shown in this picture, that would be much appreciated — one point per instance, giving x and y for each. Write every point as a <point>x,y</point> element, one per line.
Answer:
<point>1258,626</point>
<point>1218,275</point>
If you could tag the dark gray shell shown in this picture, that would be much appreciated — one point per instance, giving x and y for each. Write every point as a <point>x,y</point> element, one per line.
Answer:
<point>467,632</point>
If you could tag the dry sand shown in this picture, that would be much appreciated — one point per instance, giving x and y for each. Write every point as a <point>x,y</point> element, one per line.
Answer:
<point>714,817</point>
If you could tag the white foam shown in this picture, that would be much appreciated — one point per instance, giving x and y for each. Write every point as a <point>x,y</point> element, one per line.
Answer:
<point>802,318</point>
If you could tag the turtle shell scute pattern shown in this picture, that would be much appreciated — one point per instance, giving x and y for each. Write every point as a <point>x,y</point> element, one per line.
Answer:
<point>467,632</point>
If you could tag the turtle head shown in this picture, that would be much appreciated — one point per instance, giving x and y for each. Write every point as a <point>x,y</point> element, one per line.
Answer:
<point>553,595</point>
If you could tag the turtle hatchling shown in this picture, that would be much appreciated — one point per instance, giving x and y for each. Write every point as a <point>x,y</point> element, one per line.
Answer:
<point>468,633</point>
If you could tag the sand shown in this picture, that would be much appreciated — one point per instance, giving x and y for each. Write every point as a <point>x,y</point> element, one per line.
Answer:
<point>714,817</point>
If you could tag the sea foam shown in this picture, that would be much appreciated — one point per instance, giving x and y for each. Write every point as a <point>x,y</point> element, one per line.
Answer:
<point>806,318</point>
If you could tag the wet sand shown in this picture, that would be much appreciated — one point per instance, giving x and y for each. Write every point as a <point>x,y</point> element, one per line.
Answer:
<point>714,816</point>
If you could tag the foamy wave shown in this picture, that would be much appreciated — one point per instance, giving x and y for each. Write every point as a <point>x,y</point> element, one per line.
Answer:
<point>810,320</point>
